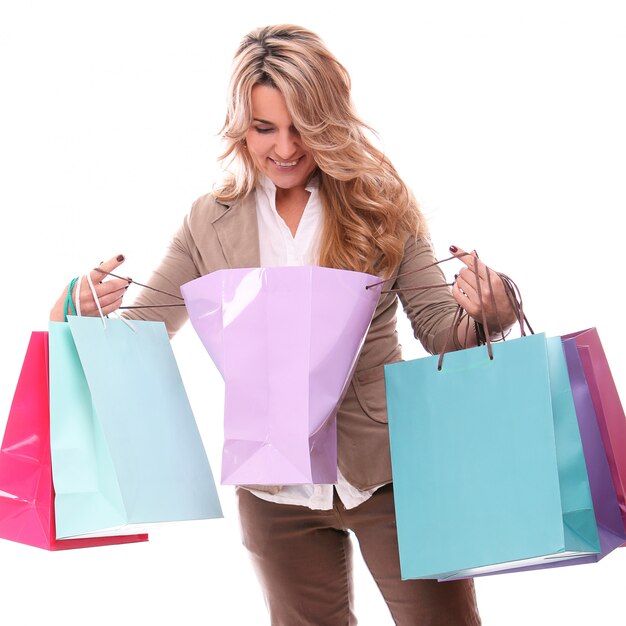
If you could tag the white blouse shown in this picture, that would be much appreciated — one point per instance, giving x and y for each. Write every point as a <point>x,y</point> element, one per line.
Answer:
<point>280,248</point>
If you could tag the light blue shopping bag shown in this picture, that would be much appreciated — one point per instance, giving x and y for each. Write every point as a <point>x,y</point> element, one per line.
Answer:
<point>488,467</point>
<point>125,446</point>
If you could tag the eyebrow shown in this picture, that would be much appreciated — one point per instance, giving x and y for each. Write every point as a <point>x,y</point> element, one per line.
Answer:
<point>256,119</point>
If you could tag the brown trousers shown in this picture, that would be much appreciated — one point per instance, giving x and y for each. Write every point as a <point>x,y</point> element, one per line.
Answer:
<point>303,559</point>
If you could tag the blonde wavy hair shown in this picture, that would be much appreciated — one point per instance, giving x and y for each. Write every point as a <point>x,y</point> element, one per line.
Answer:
<point>368,210</point>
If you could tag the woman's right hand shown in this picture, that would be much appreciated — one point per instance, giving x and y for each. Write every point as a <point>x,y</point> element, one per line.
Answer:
<point>110,292</point>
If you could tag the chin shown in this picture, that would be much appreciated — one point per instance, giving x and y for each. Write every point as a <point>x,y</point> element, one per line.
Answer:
<point>286,181</point>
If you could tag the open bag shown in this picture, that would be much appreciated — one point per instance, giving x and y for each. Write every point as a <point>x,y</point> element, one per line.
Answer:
<point>498,465</point>
<point>286,340</point>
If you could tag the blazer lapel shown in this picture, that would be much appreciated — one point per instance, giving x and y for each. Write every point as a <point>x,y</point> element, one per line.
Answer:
<point>238,233</point>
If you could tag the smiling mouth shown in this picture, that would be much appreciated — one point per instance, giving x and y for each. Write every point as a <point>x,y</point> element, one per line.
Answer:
<point>285,164</point>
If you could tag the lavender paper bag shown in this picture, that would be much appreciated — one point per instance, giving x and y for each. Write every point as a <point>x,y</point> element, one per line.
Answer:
<point>286,340</point>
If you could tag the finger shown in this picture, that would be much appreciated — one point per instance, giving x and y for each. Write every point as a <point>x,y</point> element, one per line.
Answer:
<point>471,260</point>
<point>107,308</point>
<point>102,289</point>
<point>468,274</point>
<point>110,286</point>
<point>466,302</point>
<point>113,306</point>
<point>477,288</point>
<point>468,288</point>
<point>105,301</point>
<point>107,266</point>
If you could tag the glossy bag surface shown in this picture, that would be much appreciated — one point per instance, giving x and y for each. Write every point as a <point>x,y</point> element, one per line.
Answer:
<point>286,340</point>
<point>125,445</point>
<point>607,406</point>
<point>488,466</point>
<point>605,499</point>
<point>26,490</point>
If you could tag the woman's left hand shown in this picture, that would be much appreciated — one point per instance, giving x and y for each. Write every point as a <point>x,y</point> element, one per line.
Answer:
<point>465,291</point>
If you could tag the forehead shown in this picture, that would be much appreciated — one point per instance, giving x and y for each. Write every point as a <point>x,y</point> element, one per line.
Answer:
<point>269,104</point>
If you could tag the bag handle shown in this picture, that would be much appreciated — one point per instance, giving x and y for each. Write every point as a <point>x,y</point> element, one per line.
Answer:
<point>456,321</point>
<point>78,312</point>
<point>68,305</point>
<point>78,286</point>
<point>144,306</point>
<point>483,334</point>
<point>76,309</point>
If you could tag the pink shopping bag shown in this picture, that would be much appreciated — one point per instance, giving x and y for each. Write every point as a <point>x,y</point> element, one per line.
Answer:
<point>607,406</point>
<point>26,490</point>
<point>286,340</point>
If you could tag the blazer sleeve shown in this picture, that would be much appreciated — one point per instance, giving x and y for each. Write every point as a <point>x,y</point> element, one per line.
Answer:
<point>178,266</point>
<point>430,311</point>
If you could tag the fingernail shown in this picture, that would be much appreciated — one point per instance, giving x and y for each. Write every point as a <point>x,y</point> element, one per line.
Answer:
<point>454,249</point>
<point>120,258</point>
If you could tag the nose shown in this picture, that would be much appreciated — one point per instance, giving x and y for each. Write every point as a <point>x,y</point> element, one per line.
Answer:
<point>286,145</point>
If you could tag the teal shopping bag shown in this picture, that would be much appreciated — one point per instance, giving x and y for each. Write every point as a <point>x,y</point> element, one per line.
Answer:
<point>488,467</point>
<point>125,446</point>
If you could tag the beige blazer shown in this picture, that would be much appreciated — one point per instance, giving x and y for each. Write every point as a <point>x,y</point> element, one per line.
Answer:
<point>216,236</point>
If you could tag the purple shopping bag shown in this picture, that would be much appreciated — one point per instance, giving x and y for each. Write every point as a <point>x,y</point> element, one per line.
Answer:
<point>286,340</point>
<point>607,406</point>
<point>605,499</point>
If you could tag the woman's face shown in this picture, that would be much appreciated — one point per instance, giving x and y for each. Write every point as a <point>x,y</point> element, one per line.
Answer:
<point>274,143</point>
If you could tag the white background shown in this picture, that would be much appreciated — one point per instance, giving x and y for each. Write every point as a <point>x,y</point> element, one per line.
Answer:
<point>506,118</point>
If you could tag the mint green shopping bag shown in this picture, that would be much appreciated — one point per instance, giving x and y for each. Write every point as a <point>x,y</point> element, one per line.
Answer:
<point>488,467</point>
<point>125,447</point>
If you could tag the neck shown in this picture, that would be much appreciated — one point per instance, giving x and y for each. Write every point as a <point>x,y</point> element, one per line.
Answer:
<point>290,204</point>
<point>293,195</point>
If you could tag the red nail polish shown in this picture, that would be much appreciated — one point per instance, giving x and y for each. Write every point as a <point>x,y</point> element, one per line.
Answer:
<point>454,249</point>
<point>120,258</point>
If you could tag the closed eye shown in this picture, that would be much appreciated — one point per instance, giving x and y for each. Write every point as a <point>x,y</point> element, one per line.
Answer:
<point>263,131</point>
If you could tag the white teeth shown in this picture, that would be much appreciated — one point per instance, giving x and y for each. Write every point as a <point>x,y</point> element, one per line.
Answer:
<point>290,164</point>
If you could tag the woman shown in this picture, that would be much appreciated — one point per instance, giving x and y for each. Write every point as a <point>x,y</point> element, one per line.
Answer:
<point>308,187</point>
